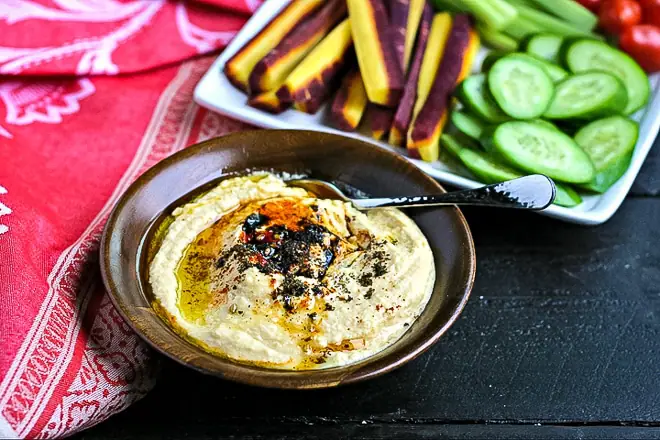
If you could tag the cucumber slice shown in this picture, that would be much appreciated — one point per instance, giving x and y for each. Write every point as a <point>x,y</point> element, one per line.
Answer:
<point>566,196</point>
<point>587,96</point>
<point>536,148</point>
<point>545,123</point>
<point>609,143</point>
<point>486,168</point>
<point>457,142</point>
<point>555,72</point>
<point>474,94</point>
<point>491,59</point>
<point>545,46</point>
<point>467,124</point>
<point>586,55</point>
<point>521,88</point>
<point>489,171</point>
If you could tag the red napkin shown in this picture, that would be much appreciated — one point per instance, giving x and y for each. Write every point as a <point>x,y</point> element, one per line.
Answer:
<point>92,93</point>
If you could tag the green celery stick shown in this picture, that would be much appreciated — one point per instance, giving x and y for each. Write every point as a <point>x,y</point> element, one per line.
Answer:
<point>521,28</point>
<point>571,11</point>
<point>496,14</point>
<point>548,23</point>
<point>496,40</point>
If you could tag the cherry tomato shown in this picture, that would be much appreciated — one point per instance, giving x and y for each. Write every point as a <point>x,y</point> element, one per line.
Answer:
<point>616,15</point>
<point>647,3</point>
<point>642,42</point>
<point>650,11</point>
<point>592,5</point>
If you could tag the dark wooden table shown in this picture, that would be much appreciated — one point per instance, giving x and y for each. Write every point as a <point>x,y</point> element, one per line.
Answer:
<point>560,339</point>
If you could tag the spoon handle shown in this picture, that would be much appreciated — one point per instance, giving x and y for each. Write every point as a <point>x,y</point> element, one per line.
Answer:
<point>535,192</point>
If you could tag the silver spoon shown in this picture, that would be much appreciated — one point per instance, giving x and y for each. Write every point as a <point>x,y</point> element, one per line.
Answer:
<point>535,192</point>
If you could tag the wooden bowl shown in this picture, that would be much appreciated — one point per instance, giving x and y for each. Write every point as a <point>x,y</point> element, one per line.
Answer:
<point>367,167</point>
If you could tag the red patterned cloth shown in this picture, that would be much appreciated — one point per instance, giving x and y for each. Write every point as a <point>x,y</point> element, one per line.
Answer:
<point>92,93</point>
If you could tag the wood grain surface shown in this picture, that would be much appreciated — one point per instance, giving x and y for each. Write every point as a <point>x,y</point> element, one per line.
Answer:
<point>560,339</point>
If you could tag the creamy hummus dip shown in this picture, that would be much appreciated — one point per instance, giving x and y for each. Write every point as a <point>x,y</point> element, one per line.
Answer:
<point>268,274</point>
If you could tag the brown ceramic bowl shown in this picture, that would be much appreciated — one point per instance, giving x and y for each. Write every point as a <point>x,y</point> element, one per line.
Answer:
<point>361,165</point>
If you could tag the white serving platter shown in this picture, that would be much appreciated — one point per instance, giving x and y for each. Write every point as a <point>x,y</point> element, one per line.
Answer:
<point>216,93</point>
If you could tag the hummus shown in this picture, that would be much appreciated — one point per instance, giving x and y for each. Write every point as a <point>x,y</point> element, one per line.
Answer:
<point>268,274</point>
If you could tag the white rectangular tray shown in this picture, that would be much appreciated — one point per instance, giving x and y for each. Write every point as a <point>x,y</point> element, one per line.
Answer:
<point>216,93</point>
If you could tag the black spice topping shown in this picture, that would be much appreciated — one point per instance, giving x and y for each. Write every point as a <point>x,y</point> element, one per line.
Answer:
<point>296,250</point>
<point>306,252</point>
<point>300,250</point>
<point>329,307</point>
<point>253,222</point>
<point>366,279</point>
<point>290,288</point>
<point>380,258</point>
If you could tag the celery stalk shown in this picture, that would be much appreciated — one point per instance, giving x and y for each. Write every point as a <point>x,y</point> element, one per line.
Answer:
<point>571,11</point>
<point>496,40</point>
<point>523,2</point>
<point>548,23</point>
<point>496,14</point>
<point>521,28</point>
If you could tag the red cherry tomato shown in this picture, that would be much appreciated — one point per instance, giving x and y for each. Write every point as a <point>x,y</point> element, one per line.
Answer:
<point>616,15</point>
<point>642,42</point>
<point>592,5</point>
<point>650,11</point>
<point>647,3</point>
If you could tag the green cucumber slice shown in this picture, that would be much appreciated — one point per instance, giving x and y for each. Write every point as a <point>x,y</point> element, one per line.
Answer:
<point>588,95</point>
<point>566,196</point>
<point>609,143</point>
<point>489,171</point>
<point>467,124</point>
<point>588,55</point>
<point>473,93</point>
<point>545,123</point>
<point>555,72</point>
<point>521,88</point>
<point>536,148</point>
<point>545,46</point>
<point>457,142</point>
<point>486,168</point>
<point>491,59</point>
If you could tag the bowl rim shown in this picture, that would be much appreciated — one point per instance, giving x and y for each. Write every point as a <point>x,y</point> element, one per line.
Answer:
<point>354,371</point>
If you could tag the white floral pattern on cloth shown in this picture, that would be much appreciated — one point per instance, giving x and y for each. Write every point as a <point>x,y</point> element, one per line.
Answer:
<point>202,40</point>
<point>4,210</point>
<point>114,357</point>
<point>26,102</point>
